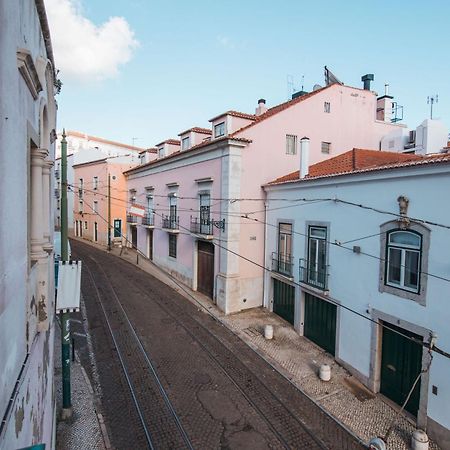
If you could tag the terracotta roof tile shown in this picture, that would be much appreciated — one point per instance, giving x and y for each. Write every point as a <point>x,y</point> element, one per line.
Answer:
<point>178,152</point>
<point>362,160</point>
<point>197,130</point>
<point>235,114</point>
<point>169,141</point>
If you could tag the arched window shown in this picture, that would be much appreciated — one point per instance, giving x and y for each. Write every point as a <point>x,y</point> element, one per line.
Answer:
<point>403,259</point>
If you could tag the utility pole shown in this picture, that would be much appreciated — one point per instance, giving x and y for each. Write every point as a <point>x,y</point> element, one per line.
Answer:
<point>109,212</point>
<point>65,324</point>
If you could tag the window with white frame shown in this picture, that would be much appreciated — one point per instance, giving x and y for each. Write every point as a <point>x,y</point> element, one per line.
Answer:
<point>284,259</point>
<point>326,147</point>
<point>173,210</point>
<point>317,256</point>
<point>403,259</point>
<point>80,206</point>
<point>95,207</point>
<point>173,245</point>
<point>95,183</point>
<point>161,152</point>
<point>85,225</point>
<point>326,107</point>
<point>80,188</point>
<point>205,220</point>
<point>291,144</point>
<point>219,129</point>
<point>185,143</point>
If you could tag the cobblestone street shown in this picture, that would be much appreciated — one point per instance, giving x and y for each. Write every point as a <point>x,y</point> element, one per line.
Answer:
<point>213,392</point>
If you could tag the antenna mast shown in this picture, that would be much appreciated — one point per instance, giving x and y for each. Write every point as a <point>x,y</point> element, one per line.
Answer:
<point>430,101</point>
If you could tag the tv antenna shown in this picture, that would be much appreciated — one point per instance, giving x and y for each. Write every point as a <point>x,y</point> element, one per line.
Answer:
<point>290,86</point>
<point>134,140</point>
<point>431,100</point>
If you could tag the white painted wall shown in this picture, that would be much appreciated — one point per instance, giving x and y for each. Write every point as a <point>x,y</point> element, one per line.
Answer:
<point>354,278</point>
<point>31,417</point>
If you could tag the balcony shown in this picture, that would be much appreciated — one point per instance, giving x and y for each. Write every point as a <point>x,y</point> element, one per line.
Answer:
<point>57,193</point>
<point>132,220</point>
<point>170,223</point>
<point>313,275</point>
<point>202,226</point>
<point>57,174</point>
<point>282,264</point>
<point>148,220</point>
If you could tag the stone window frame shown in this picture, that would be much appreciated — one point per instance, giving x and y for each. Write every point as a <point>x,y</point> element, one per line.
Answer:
<point>425,232</point>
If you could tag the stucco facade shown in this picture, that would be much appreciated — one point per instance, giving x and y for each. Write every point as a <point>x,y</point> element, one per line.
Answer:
<point>356,271</point>
<point>244,152</point>
<point>90,193</point>
<point>27,131</point>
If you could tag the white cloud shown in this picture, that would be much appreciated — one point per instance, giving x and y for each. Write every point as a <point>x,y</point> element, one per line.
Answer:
<point>83,50</point>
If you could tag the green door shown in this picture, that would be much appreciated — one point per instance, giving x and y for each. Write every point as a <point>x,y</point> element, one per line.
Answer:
<point>401,363</point>
<point>320,322</point>
<point>284,300</point>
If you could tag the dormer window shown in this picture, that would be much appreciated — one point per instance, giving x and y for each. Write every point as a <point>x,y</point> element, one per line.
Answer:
<point>142,158</point>
<point>185,143</point>
<point>161,152</point>
<point>219,129</point>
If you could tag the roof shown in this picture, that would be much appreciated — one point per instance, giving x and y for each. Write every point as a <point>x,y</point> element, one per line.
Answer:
<point>360,161</point>
<point>104,141</point>
<point>149,150</point>
<point>178,152</point>
<point>96,161</point>
<point>235,114</point>
<point>197,130</point>
<point>282,106</point>
<point>169,141</point>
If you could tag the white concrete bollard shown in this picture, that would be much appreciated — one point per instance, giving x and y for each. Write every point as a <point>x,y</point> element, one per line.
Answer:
<point>268,331</point>
<point>325,372</point>
<point>419,440</point>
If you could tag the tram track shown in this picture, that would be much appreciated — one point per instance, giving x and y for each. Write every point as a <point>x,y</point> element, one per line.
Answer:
<point>288,427</point>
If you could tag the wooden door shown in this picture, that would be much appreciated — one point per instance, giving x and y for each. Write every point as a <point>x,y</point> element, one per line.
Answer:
<point>134,237</point>
<point>150,244</point>
<point>320,322</point>
<point>401,363</point>
<point>205,268</point>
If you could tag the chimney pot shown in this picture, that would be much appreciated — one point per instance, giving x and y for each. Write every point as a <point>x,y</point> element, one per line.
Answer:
<point>262,100</point>
<point>261,108</point>
<point>304,156</point>
<point>367,79</point>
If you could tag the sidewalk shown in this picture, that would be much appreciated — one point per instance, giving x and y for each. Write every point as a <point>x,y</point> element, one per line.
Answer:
<point>86,430</point>
<point>363,413</point>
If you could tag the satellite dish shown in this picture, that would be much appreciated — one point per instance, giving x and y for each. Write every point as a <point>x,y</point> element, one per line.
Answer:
<point>317,87</point>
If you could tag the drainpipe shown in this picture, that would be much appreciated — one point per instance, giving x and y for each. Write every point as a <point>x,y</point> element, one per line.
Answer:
<point>304,156</point>
<point>264,251</point>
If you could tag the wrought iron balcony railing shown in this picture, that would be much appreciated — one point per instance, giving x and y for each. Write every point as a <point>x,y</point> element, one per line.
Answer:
<point>312,274</point>
<point>170,222</point>
<point>57,174</point>
<point>131,219</point>
<point>148,220</point>
<point>201,226</point>
<point>282,264</point>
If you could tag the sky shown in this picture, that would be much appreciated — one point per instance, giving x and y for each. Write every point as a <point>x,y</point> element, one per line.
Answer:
<point>142,71</point>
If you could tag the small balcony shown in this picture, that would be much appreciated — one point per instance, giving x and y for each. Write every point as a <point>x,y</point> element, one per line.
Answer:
<point>170,223</point>
<point>313,275</point>
<point>57,193</point>
<point>132,220</point>
<point>202,226</point>
<point>282,264</point>
<point>148,220</point>
<point>57,174</point>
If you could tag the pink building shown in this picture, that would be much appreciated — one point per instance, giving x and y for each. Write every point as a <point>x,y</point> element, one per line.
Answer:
<point>205,190</point>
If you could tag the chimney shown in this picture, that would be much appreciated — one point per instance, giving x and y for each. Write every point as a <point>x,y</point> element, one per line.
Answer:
<point>304,156</point>
<point>367,79</point>
<point>262,108</point>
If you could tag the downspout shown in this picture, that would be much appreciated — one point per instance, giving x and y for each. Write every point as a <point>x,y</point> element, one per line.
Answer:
<point>264,246</point>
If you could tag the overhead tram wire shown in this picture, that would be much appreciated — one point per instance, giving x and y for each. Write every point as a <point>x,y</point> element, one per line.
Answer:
<point>336,243</point>
<point>339,305</point>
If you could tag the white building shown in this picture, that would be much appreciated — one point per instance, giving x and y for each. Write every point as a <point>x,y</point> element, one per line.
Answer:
<point>369,284</point>
<point>27,132</point>
<point>82,148</point>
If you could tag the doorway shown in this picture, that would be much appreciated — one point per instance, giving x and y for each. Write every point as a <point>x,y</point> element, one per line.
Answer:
<point>205,268</point>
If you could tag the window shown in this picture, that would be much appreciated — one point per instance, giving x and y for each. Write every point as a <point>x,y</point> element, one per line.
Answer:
<point>117,228</point>
<point>219,129</point>
<point>85,225</point>
<point>80,206</point>
<point>173,245</point>
<point>326,107</point>
<point>161,152</point>
<point>403,259</point>
<point>150,204</point>
<point>142,158</point>
<point>291,144</point>
<point>285,248</point>
<point>317,256</point>
<point>326,147</point>
<point>80,189</point>
<point>95,183</point>
<point>185,143</point>
<point>205,201</point>
<point>173,210</point>
<point>95,207</point>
